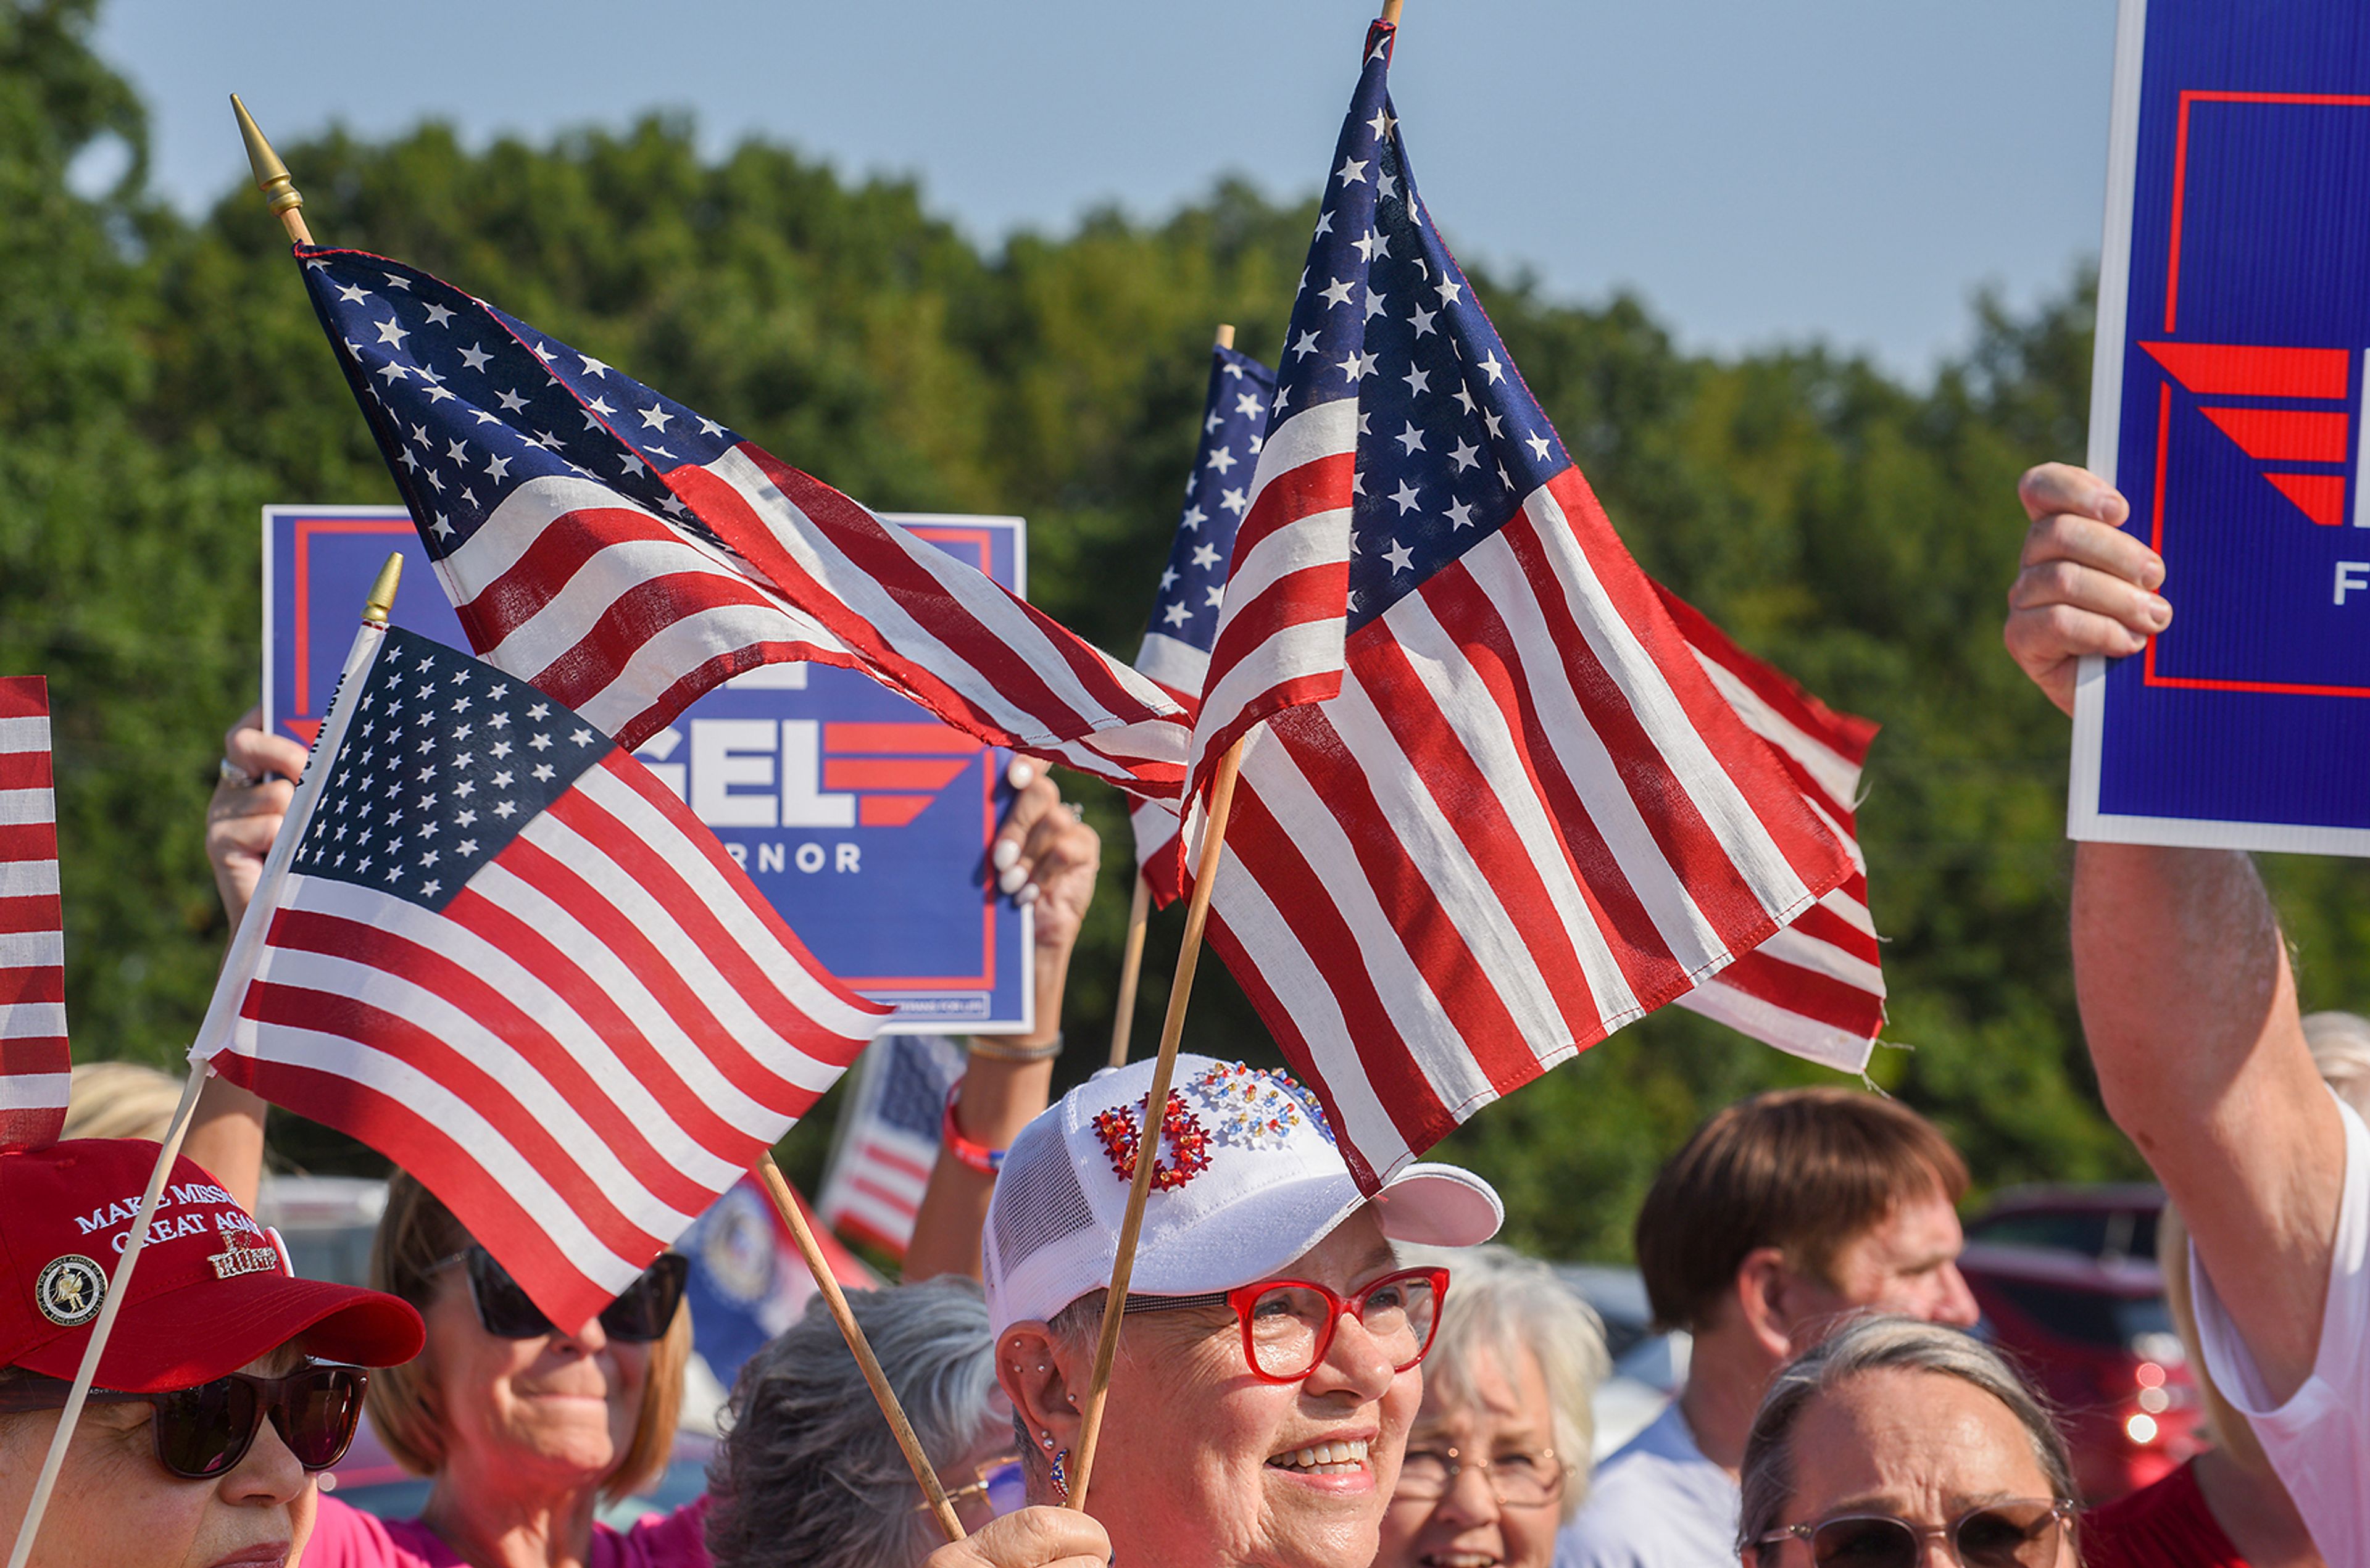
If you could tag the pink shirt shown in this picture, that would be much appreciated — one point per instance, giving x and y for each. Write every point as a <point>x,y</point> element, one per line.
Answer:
<point>345,1537</point>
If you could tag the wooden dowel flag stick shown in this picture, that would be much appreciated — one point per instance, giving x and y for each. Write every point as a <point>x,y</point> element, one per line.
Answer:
<point>1139,909</point>
<point>1155,1100</point>
<point>853,1332</point>
<point>374,614</point>
<point>272,178</point>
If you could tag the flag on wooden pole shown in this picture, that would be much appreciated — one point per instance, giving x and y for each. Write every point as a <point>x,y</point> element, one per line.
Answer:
<point>35,1067</point>
<point>1491,808</point>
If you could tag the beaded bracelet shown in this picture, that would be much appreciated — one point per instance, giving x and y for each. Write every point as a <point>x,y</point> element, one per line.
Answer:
<point>978,1156</point>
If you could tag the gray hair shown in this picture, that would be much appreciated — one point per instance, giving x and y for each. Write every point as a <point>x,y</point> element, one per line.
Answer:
<point>808,1475</point>
<point>1506,1304</point>
<point>1876,1343</point>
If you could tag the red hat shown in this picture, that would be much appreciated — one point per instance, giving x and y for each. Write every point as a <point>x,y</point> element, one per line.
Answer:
<point>212,1291</point>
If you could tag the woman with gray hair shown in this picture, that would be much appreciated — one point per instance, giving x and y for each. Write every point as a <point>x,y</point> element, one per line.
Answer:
<point>1497,1461</point>
<point>1895,1433</point>
<point>808,1475</point>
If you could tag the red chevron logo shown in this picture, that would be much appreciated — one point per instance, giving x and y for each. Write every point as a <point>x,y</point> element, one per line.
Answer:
<point>2274,436</point>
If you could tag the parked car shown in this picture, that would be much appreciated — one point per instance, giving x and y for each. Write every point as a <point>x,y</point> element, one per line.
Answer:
<point>2099,1219</point>
<point>2094,1334</point>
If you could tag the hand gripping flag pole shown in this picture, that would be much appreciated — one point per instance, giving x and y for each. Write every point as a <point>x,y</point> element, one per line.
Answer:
<point>375,612</point>
<point>272,177</point>
<point>1139,910</point>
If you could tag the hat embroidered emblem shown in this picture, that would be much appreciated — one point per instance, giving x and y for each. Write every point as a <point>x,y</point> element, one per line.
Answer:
<point>1188,1142</point>
<point>70,1290</point>
<point>237,1260</point>
<point>1251,1107</point>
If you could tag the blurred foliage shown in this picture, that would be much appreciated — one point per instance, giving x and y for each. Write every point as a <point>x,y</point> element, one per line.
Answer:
<point>161,378</point>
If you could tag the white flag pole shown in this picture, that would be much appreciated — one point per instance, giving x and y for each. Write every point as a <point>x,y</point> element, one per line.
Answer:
<point>228,993</point>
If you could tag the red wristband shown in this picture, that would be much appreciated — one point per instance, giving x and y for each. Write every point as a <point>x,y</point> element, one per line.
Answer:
<point>978,1156</point>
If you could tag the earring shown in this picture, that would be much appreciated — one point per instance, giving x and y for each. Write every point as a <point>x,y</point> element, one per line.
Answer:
<point>1060,1478</point>
<point>1046,1439</point>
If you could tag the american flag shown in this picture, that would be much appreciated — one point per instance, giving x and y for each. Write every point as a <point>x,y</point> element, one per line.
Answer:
<point>34,1068</point>
<point>1496,809</point>
<point>1175,651</point>
<point>625,554</point>
<point>888,1138</point>
<point>1816,989</point>
<point>490,944</point>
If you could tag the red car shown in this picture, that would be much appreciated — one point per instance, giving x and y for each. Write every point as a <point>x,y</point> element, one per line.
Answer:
<point>2095,1337</point>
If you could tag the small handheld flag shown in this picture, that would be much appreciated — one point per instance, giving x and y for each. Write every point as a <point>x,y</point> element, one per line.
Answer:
<point>888,1138</point>
<point>490,944</point>
<point>35,1070</point>
<point>625,554</point>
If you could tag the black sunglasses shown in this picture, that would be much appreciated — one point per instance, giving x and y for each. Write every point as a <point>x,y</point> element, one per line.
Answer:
<point>640,1315</point>
<point>203,1432</point>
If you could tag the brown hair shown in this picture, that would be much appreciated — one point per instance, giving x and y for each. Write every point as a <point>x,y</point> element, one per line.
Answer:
<point>1801,1169</point>
<point>417,1233</point>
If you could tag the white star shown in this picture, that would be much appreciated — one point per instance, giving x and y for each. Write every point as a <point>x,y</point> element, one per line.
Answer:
<point>457,452</point>
<point>498,468</point>
<point>1401,558</point>
<point>444,528</point>
<point>1405,498</point>
<point>1460,515</point>
<point>391,332</point>
<point>1492,423</point>
<point>601,405</point>
<point>711,428</point>
<point>436,394</point>
<point>1336,293</point>
<point>582,736</point>
<point>655,418</point>
<point>1374,302</point>
<point>466,846</point>
<point>633,466</point>
<point>544,771</point>
<point>431,888</point>
<point>1381,124</point>
<point>1194,518</point>
<point>420,434</point>
<point>546,440</point>
<point>351,295</point>
<point>1422,319</point>
<point>1168,578</point>
<point>1305,346</point>
<point>506,809</point>
<point>1493,369</point>
<point>1206,557</point>
<point>1236,502</point>
<point>410,462</point>
<point>1324,224</point>
<point>1233,369</point>
<point>542,742</point>
<point>474,357</point>
<point>502,779</point>
<point>1217,596</point>
<point>1248,403</point>
<point>1464,398</point>
<point>1410,438</point>
<point>1221,459</point>
<point>511,401</point>
<point>1358,366</point>
<point>393,371</point>
<point>1450,292</point>
<point>1387,184</point>
<point>1538,445</point>
<point>1467,455</point>
<point>1351,171</point>
<point>438,315</point>
<point>394,282</point>
<point>1176,615</point>
<point>593,366</point>
<point>543,352</point>
<point>436,483</point>
<point>1367,244</point>
<point>1417,380</point>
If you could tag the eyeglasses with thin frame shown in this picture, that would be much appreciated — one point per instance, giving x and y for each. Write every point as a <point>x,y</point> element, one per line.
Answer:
<point>203,1432</point>
<point>2025,1532</point>
<point>1517,1479</point>
<point>641,1313</point>
<point>1288,1323</point>
<point>1001,1482</point>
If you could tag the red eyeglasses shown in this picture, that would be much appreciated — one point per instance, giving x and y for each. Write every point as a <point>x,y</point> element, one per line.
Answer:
<point>1288,1323</point>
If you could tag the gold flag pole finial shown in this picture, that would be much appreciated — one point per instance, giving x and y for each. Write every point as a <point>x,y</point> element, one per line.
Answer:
<point>272,177</point>
<point>382,593</point>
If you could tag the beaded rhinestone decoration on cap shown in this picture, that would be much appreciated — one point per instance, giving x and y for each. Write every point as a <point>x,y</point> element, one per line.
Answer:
<point>1188,1142</point>
<point>1251,1107</point>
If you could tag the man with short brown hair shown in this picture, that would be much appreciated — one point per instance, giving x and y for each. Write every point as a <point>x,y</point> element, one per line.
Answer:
<point>1785,1214</point>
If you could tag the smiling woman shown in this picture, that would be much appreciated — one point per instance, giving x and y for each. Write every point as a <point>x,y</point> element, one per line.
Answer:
<point>1267,1371</point>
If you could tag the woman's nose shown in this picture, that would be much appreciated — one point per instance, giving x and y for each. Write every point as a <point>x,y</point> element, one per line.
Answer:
<point>1356,1361</point>
<point>267,1474</point>
<point>1471,1498</point>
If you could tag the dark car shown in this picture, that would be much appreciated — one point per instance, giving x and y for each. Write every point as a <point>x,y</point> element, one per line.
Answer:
<point>2097,1219</point>
<point>2095,1337</point>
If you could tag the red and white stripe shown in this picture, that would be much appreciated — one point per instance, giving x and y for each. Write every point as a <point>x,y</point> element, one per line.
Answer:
<point>628,617</point>
<point>1526,818</point>
<point>879,1168</point>
<point>35,1068</point>
<point>587,1045</point>
<point>1816,989</point>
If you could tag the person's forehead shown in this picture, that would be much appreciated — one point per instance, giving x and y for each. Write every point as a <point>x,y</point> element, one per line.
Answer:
<point>1922,1443</point>
<point>1355,1249</point>
<point>1922,1226</point>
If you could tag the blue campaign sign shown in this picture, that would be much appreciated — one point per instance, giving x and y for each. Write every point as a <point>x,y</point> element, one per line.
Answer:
<point>2226,404</point>
<point>864,819</point>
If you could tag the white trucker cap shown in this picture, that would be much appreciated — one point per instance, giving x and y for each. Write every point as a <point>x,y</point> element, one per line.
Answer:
<point>1249,1179</point>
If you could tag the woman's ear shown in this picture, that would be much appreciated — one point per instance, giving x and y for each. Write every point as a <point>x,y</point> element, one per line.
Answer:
<point>1031,1363</point>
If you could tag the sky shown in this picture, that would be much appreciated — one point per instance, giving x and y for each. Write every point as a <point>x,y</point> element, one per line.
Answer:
<point>1759,171</point>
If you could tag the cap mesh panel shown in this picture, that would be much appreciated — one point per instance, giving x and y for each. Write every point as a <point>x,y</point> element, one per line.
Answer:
<point>1038,1199</point>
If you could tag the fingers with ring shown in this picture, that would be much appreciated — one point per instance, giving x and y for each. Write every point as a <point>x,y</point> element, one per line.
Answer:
<point>236,776</point>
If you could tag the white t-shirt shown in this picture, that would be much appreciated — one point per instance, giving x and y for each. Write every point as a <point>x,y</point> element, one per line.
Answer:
<point>2319,1440</point>
<point>1656,1503</point>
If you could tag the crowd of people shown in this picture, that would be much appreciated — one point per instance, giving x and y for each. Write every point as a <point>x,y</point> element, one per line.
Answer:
<point>1307,1377</point>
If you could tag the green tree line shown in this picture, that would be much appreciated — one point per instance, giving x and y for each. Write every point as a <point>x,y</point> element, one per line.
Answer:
<point>161,378</point>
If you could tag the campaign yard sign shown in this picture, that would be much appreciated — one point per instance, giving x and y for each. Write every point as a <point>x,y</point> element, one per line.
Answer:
<point>862,818</point>
<point>2227,404</point>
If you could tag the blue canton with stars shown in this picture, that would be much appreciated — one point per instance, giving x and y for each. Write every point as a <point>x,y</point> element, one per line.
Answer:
<point>1234,428</point>
<point>444,761</point>
<point>1449,438</point>
<point>469,404</point>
